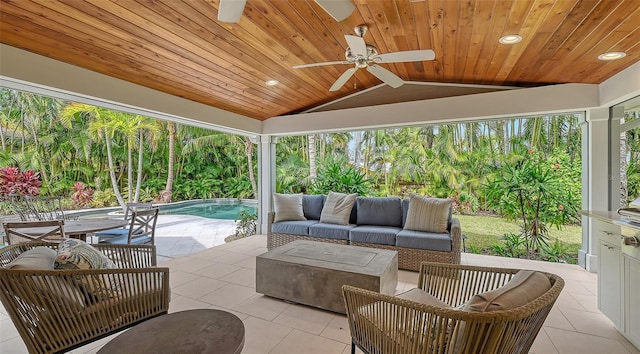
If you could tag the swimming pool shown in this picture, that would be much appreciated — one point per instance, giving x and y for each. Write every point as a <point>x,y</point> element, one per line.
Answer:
<point>212,209</point>
<point>226,209</point>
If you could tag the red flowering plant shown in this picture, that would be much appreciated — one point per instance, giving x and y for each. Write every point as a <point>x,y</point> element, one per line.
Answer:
<point>14,181</point>
<point>82,194</point>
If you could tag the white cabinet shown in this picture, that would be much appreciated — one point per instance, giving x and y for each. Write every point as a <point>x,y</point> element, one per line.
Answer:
<point>609,283</point>
<point>619,277</point>
<point>632,299</point>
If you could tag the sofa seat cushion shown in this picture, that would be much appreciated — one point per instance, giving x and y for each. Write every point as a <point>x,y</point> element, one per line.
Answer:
<point>379,211</point>
<point>384,235</point>
<point>424,240</point>
<point>300,227</point>
<point>333,231</point>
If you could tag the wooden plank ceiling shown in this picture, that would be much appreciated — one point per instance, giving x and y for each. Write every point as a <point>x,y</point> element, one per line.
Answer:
<point>179,47</point>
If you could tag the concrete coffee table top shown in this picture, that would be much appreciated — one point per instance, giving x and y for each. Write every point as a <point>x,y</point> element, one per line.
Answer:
<point>312,273</point>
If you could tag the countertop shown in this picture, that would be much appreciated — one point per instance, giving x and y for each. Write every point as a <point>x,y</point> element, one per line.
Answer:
<point>602,215</point>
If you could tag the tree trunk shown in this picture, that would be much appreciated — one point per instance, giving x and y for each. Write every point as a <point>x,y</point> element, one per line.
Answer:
<point>312,158</point>
<point>248,148</point>
<point>112,172</point>
<point>140,157</point>
<point>129,172</point>
<point>171,126</point>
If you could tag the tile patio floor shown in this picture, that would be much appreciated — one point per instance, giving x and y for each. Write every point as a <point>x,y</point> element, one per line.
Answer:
<point>223,277</point>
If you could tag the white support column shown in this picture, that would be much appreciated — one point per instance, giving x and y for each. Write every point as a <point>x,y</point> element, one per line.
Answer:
<point>617,114</point>
<point>595,181</point>
<point>267,179</point>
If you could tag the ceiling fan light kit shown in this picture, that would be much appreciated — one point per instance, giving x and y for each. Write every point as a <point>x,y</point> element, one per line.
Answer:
<point>364,55</point>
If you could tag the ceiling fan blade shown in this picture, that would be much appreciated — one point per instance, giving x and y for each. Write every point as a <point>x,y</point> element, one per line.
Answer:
<point>343,79</point>
<point>338,9</point>
<point>357,45</point>
<point>231,10</point>
<point>385,75</point>
<point>405,56</point>
<point>320,64</point>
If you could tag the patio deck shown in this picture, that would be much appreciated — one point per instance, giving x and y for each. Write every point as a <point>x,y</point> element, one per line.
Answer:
<point>223,277</point>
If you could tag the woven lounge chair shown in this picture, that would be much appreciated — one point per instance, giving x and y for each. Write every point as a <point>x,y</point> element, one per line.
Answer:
<point>59,310</point>
<point>391,324</point>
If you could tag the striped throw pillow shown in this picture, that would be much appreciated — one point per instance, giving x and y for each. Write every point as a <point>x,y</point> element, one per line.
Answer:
<point>427,214</point>
<point>288,207</point>
<point>337,208</point>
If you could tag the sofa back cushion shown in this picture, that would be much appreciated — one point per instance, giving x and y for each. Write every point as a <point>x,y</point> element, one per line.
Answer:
<point>288,207</point>
<point>379,211</point>
<point>428,214</point>
<point>312,206</point>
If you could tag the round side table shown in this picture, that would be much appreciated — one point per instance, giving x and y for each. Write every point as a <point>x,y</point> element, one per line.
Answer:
<point>191,331</point>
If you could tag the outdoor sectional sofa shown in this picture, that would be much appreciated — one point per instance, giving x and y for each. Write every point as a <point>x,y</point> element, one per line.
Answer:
<point>377,222</point>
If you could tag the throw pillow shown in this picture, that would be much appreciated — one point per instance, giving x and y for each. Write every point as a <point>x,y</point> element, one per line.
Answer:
<point>76,254</point>
<point>38,258</point>
<point>524,287</point>
<point>428,214</point>
<point>288,207</point>
<point>337,208</point>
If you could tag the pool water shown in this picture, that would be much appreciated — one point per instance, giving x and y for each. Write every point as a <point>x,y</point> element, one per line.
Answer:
<point>210,210</point>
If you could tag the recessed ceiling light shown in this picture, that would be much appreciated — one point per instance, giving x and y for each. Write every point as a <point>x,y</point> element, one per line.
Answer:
<point>510,39</point>
<point>612,55</point>
<point>271,82</point>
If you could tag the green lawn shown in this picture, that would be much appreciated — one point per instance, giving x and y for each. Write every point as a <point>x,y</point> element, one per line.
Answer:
<point>484,231</point>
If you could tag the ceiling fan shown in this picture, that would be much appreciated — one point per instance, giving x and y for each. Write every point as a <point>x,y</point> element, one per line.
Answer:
<point>364,55</point>
<point>231,10</point>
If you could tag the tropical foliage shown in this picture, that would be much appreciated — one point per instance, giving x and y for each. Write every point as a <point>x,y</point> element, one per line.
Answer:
<point>120,157</point>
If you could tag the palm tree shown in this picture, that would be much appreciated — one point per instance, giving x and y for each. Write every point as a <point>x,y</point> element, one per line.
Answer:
<point>102,127</point>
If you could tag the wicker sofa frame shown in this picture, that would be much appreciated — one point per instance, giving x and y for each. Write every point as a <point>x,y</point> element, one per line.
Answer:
<point>408,258</point>
<point>386,324</point>
<point>50,324</point>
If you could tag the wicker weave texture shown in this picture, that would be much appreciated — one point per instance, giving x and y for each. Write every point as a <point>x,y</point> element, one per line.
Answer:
<point>55,311</point>
<point>386,324</point>
<point>408,258</point>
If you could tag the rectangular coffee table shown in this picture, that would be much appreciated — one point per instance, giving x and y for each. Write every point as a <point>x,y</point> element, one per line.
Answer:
<point>312,273</point>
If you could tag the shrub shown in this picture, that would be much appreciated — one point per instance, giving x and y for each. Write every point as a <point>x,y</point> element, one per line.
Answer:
<point>532,191</point>
<point>246,223</point>
<point>82,194</point>
<point>13,181</point>
<point>337,176</point>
